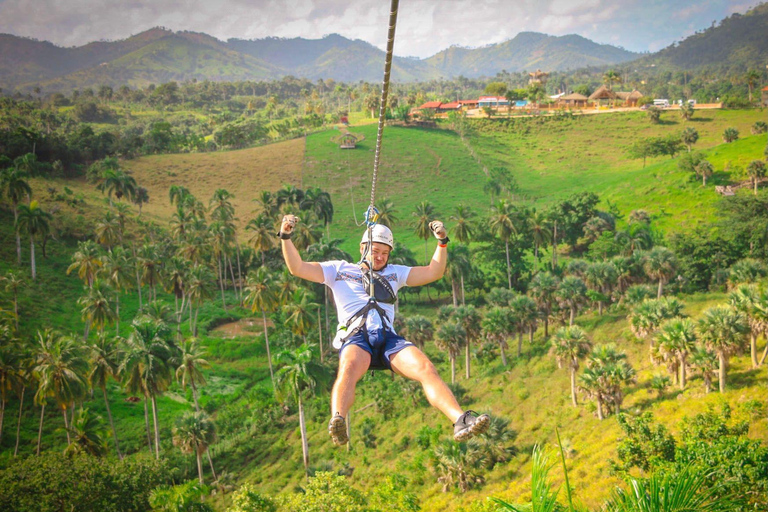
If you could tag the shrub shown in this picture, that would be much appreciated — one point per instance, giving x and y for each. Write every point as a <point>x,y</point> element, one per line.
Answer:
<point>53,482</point>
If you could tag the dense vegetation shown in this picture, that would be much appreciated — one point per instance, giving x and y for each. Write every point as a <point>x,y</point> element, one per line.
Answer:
<point>614,279</point>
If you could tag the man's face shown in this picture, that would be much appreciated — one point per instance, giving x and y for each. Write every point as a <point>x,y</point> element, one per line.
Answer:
<point>379,254</point>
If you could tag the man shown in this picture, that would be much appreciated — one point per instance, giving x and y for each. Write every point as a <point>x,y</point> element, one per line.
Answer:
<point>367,339</point>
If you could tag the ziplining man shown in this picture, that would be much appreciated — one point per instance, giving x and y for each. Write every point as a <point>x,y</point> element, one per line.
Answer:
<point>367,338</point>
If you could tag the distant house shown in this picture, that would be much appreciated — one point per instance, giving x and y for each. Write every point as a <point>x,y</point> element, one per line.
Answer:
<point>468,103</point>
<point>573,100</point>
<point>764,99</point>
<point>449,107</point>
<point>630,98</point>
<point>434,105</point>
<point>603,95</point>
<point>492,101</point>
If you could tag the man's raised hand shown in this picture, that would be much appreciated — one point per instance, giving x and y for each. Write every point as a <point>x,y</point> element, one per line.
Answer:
<point>438,229</point>
<point>289,222</point>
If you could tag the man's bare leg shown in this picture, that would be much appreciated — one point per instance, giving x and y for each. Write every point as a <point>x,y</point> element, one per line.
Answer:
<point>353,363</point>
<point>413,364</point>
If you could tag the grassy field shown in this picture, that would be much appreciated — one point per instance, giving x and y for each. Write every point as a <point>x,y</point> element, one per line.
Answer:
<point>550,160</point>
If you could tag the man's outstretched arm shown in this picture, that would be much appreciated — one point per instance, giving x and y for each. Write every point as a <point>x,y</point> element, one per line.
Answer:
<point>424,275</point>
<point>311,271</point>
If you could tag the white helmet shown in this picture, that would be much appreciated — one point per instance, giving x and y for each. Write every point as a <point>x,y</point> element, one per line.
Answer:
<point>381,234</point>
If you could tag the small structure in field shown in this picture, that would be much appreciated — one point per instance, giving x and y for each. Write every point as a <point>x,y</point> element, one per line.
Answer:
<point>348,140</point>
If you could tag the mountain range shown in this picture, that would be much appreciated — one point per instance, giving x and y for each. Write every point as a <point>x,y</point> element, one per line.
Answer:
<point>159,55</point>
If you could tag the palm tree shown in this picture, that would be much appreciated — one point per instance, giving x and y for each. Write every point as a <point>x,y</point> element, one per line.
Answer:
<point>704,363</point>
<point>267,204</point>
<point>96,310</point>
<point>262,237</point>
<point>146,364</point>
<point>463,224</point>
<point>498,326</point>
<point>704,169</point>
<point>108,231</point>
<point>730,134</point>
<point>748,300</point>
<point>752,78</point>
<point>607,370</point>
<point>526,312</point>
<point>470,320</point>
<point>104,362</point>
<point>387,212</point>
<point>689,136</point>
<point>117,182</point>
<point>299,377</point>
<point>13,281</point>
<point>459,264</point>
<point>756,171</point>
<point>86,261</point>
<point>676,340</point>
<point>220,205</point>
<point>686,111</point>
<point>60,369</point>
<point>660,264</point>
<point>538,226</point>
<point>261,297</point>
<point>35,221</point>
<point>610,77</point>
<point>636,237</point>
<point>200,288</point>
<point>459,465</point>
<point>306,233</point>
<point>502,223</point>
<point>175,280</point>
<point>14,181</point>
<point>117,269</point>
<point>300,313</point>
<point>424,214</point>
<point>191,362</point>
<point>419,330</point>
<point>723,330</point>
<point>600,276</point>
<point>150,265</point>
<point>194,433</point>
<point>543,288</point>
<point>569,344</point>
<point>571,293</point>
<point>88,435</point>
<point>9,366</point>
<point>450,336</point>
<point>318,202</point>
<point>646,317</point>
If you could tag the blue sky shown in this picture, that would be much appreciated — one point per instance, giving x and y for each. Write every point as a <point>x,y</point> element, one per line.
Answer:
<point>424,26</point>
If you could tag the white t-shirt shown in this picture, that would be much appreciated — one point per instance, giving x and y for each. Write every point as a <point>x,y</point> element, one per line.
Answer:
<point>346,282</point>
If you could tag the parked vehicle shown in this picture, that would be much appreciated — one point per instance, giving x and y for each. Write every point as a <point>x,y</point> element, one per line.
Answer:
<point>661,103</point>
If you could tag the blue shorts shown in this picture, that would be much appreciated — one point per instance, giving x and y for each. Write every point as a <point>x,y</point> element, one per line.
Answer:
<point>381,344</point>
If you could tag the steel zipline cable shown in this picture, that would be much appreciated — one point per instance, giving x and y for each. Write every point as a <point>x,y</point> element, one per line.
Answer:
<point>371,214</point>
<point>384,94</point>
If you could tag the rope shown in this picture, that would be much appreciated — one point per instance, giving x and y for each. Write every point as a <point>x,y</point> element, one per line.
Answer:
<point>384,94</point>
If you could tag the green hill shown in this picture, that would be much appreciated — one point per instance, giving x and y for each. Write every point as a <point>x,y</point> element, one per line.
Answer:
<point>393,430</point>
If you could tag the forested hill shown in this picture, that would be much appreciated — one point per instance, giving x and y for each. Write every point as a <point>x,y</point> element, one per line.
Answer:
<point>737,43</point>
<point>528,51</point>
<point>160,55</point>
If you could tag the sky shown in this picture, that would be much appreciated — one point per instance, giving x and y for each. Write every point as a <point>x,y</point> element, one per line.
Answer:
<point>424,27</point>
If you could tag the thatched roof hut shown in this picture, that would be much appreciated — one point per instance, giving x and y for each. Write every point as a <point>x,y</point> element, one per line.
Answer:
<point>573,100</point>
<point>602,93</point>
